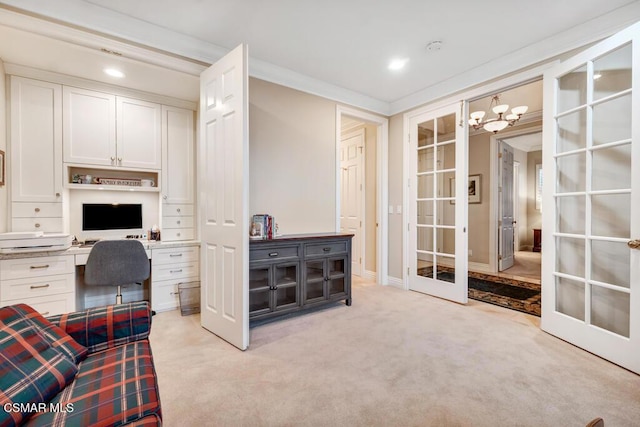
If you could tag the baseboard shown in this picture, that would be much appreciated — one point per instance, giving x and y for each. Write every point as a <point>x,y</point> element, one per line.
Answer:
<point>396,282</point>
<point>370,275</point>
<point>480,267</point>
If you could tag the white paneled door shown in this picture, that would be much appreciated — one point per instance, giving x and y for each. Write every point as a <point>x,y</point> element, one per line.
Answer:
<point>437,188</point>
<point>223,194</point>
<point>591,232</point>
<point>505,206</point>
<point>351,203</point>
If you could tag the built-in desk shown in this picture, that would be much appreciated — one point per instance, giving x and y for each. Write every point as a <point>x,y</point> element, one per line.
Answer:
<point>53,281</point>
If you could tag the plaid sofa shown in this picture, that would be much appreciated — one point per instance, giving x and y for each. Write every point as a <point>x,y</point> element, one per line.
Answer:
<point>89,368</point>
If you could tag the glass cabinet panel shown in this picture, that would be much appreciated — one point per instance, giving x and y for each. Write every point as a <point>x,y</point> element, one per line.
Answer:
<point>259,278</point>
<point>286,295</point>
<point>259,300</point>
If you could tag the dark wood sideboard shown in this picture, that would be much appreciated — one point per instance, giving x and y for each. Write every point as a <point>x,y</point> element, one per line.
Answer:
<point>296,272</point>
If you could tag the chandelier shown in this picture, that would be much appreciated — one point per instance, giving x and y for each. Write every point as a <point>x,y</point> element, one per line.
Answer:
<point>496,124</point>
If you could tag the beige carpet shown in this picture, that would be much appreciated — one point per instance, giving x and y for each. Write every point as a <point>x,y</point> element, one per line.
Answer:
<point>394,358</point>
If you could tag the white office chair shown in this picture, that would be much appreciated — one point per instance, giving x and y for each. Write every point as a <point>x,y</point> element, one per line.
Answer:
<point>117,263</point>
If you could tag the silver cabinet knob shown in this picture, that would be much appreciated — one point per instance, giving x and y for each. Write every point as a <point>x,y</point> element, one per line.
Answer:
<point>57,194</point>
<point>37,209</point>
<point>164,197</point>
<point>634,244</point>
<point>178,222</point>
<point>178,210</point>
<point>37,225</point>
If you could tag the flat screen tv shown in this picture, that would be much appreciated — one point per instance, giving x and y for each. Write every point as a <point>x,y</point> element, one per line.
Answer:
<point>111,216</point>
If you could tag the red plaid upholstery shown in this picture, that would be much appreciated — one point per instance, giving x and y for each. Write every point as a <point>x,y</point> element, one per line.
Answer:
<point>31,370</point>
<point>107,327</point>
<point>112,388</point>
<point>54,335</point>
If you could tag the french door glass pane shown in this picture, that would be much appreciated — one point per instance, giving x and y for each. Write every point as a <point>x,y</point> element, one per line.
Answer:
<point>425,212</point>
<point>610,310</point>
<point>425,265</point>
<point>446,240</point>
<point>572,260</point>
<point>610,215</point>
<point>611,121</point>
<point>610,263</point>
<point>447,213</point>
<point>570,297</point>
<point>425,239</point>
<point>425,160</point>
<point>571,214</point>
<point>611,168</point>
<point>426,134</point>
<point>572,131</point>
<point>446,270</point>
<point>447,156</point>
<point>612,72</point>
<point>572,89</point>
<point>571,173</point>
<point>425,186</point>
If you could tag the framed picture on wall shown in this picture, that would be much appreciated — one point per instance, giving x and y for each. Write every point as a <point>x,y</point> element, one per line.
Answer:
<point>2,168</point>
<point>474,189</point>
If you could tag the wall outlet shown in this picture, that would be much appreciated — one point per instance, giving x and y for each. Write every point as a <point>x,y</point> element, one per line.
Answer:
<point>470,252</point>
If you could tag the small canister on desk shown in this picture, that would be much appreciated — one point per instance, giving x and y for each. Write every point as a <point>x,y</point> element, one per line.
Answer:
<point>154,233</point>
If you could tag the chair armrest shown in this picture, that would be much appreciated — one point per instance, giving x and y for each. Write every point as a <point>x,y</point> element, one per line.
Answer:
<point>106,327</point>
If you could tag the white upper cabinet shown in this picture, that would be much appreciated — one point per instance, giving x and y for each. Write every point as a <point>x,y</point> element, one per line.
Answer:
<point>89,127</point>
<point>178,157</point>
<point>107,130</point>
<point>138,134</point>
<point>36,141</point>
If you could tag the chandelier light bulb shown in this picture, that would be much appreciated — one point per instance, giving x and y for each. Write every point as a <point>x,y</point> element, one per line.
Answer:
<point>520,110</point>
<point>501,109</point>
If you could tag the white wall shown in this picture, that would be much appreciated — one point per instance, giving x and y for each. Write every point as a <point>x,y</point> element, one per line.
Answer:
<point>3,146</point>
<point>292,158</point>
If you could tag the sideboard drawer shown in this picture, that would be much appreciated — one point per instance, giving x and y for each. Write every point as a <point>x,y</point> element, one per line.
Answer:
<point>328,248</point>
<point>34,267</point>
<point>261,254</point>
<point>39,286</point>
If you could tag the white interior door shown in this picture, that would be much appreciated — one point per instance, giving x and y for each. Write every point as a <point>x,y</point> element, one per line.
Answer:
<point>351,203</point>
<point>505,206</point>
<point>438,204</point>
<point>591,199</point>
<point>223,189</point>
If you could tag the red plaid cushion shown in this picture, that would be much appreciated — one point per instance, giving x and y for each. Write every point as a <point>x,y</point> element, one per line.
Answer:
<point>31,371</point>
<point>59,339</point>
<point>113,387</point>
<point>109,326</point>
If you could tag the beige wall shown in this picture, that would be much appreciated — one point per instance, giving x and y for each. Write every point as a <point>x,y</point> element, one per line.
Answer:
<point>396,240</point>
<point>479,164</point>
<point>522,227</point>
<point>371,190</point>
<point>292,157</point>
<point>3,146</point>
<point>534,217</point>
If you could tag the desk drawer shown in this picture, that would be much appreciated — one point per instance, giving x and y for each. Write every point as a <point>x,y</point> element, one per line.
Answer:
<point>175,255</point>
<point>177,222</point>
<point>328,248</point>
<point>36,210</point>
<point>37,224</point>
<point>164,295</point>
<point>35,267</point>
<point>38,286</point>
<point>177,210</point>
<point>48,305</point>
<point>281,252</point>
<point>176,234</point>
<point>175,271</point>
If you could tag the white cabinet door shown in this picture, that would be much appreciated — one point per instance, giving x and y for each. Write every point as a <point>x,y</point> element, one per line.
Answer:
<point>177,155</point>
<point>36,141</point>
<point>138,134</point>
<point>89,120</point>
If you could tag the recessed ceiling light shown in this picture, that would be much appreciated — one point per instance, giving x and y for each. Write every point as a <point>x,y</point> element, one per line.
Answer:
<point>114,73</point>
<point>434,45</point>
<point>398,64</point>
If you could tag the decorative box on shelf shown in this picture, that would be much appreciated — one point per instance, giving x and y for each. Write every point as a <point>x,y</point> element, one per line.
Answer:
<point>108,179</point>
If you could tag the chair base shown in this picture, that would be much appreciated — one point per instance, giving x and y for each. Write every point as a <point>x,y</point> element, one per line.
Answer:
<point>119,296</point>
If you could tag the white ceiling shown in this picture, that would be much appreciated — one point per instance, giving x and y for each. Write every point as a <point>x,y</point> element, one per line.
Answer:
<point>341,48</point>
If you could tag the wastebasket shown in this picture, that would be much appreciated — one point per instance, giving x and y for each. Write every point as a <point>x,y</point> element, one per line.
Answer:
<point>189,295</point>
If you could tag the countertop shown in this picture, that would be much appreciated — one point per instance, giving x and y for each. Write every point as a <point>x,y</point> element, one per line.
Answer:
<point>293,237</point>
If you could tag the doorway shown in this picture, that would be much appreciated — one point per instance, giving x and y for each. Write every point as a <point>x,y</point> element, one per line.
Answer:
<point>361,189</point>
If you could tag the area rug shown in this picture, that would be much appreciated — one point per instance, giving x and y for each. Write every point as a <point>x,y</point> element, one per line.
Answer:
<point>510,293</point>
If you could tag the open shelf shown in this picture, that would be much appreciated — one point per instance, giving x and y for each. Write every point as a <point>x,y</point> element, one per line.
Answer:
<point>96,178</point>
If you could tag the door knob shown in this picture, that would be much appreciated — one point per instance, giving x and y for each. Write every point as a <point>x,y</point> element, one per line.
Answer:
<point>634,244</point>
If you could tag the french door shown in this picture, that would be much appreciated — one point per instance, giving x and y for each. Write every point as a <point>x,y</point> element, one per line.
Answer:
<point>438,188</point>
<point>591,261</point>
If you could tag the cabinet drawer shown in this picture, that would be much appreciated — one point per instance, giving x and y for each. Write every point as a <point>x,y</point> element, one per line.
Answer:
<point>36,267</point>
<point>280,252</point>
<point>328,248</point>
<point>164,295</point>
<point>177,222</point>
<point>177,234</point>
<point>36,210</point>
<point>38,286</point>
<point>175,271</point>
<point>48,305</point>
<point>37,224</point>
<point>177,210</point>
<point>175,255</point>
